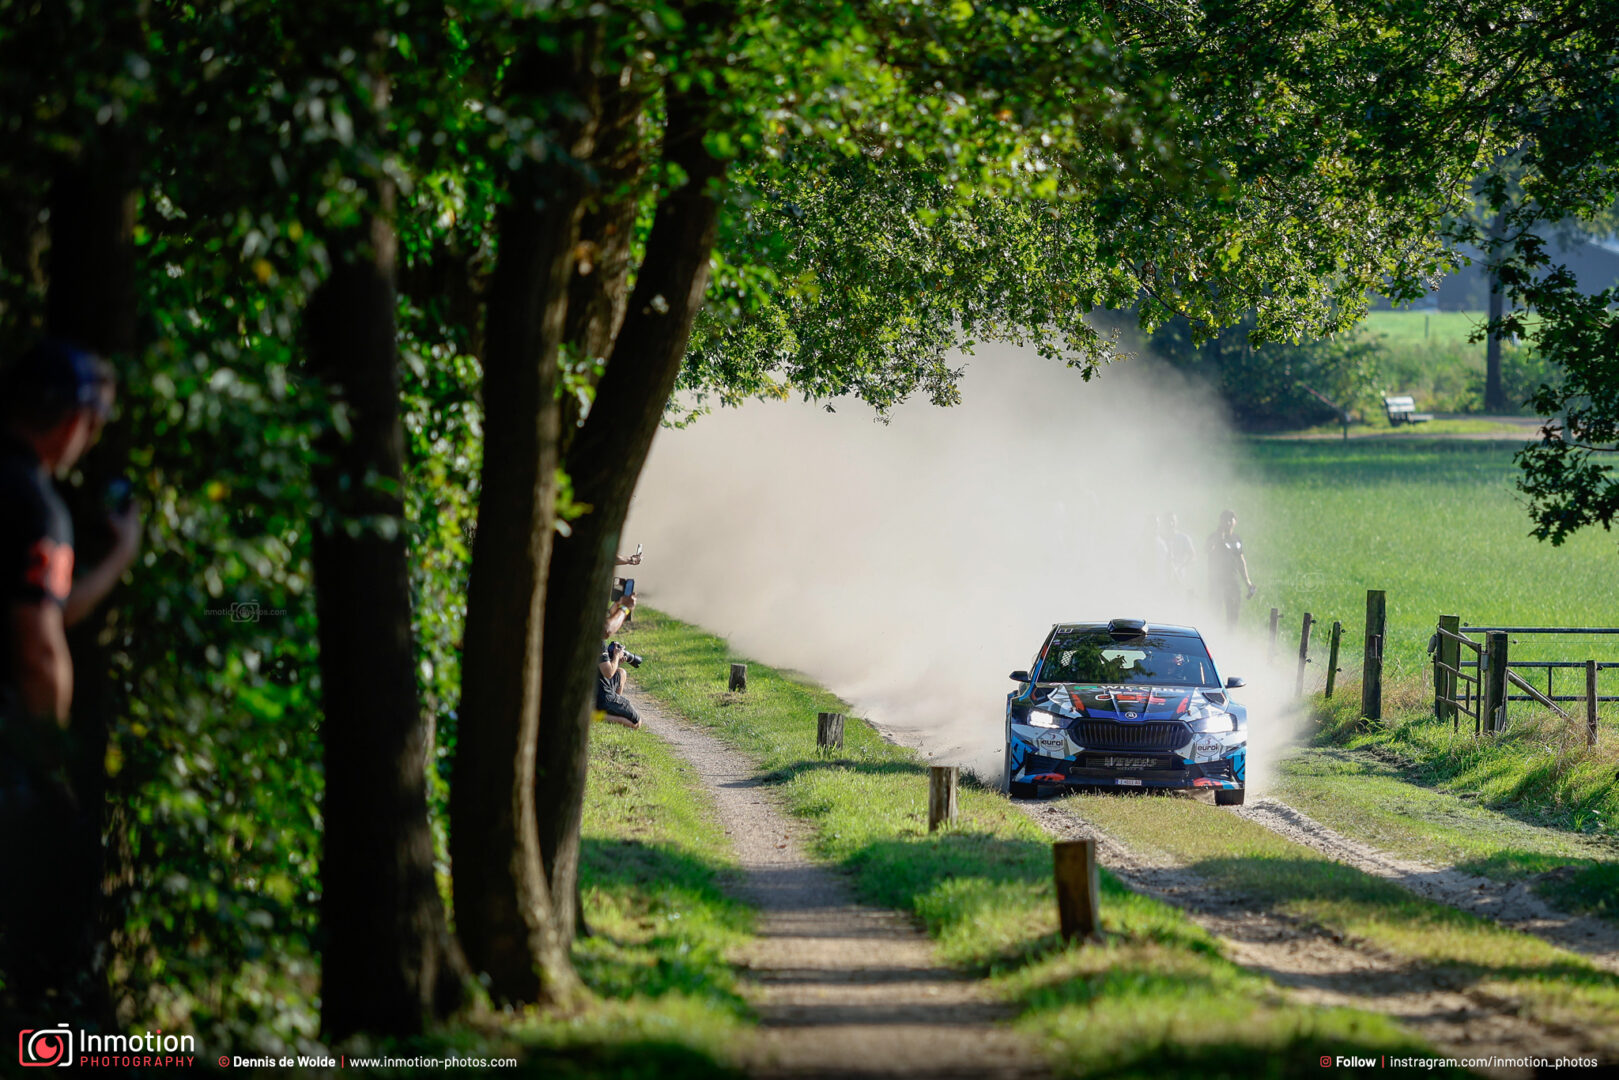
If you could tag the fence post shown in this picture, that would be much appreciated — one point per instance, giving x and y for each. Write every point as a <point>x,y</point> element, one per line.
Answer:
<point>1371,684</point>
<point>1304,653</point>
<point>1447,652</point>
<point>1590,703</point>
<point>942,795</point>
<point>1493,674</point>
<point>829,730</point>
<point>1275,623</point>
<point>739,676</point>
<point>1077,894</point>
<point>1332,656</point>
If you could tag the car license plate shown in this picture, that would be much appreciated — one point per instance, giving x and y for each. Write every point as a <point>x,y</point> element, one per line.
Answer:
<point>1127,763</point>
<point>1128,782</point>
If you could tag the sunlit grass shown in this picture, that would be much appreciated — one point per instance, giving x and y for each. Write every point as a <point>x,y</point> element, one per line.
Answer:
<point>665,996</point>
<point>1438,526</point>
<point>1551,984</point>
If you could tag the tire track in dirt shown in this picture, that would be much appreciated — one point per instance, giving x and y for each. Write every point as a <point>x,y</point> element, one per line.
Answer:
<point>1320,967</point>
<point>842,989</point>
<point>1510,903</point>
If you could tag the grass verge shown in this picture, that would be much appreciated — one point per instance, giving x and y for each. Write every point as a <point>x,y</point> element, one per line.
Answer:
<point>1531,803</point>
<point>1157,999</point>
<point>1549,984</point>
<point>666,1002</point>
<point>1369,797</point>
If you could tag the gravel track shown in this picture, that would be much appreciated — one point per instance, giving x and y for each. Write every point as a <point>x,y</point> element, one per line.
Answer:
<point>1319,966</point>
<point>1510,903</point>
<point>842,989</point>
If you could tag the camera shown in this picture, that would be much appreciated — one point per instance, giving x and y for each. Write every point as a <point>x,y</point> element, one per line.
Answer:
<point>628,657</point>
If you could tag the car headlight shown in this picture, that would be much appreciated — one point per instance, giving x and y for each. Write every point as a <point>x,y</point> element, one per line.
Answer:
<point>1044,719</point>
<point>1215,720</point>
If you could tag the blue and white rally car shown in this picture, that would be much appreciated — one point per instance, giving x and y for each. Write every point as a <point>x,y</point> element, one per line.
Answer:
<point>1123,704</point>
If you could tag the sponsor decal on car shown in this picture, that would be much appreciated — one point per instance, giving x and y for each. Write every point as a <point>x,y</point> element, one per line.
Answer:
<point>1207,748</point>
<point>1052,743</point>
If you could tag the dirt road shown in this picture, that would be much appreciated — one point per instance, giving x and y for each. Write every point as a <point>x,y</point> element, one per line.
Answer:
<point>1510,903</point>
<point>842,989</point>
<point>1319,967</point>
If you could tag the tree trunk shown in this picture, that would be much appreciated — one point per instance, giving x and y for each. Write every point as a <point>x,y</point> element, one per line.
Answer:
<point>1495,397</point>
<point>599,289</point>
<point>604,463</point>
<point>389,963</point>
<point>90,300</point>
<point>504,908</point>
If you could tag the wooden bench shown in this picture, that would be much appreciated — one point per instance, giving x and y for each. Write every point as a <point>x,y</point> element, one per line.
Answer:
<point>1403,410</point>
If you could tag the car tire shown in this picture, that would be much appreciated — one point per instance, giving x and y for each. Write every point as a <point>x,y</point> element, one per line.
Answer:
<point>1014,788</point>
<point>1229,798</point>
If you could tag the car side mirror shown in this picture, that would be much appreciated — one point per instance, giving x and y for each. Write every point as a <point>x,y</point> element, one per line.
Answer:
<point>1020,676</point>
<point>1235,681</point>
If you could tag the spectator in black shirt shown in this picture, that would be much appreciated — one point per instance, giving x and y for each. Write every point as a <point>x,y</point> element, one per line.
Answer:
<point>1228,567</point>
<point>53,403</point>
<point>56,399</point>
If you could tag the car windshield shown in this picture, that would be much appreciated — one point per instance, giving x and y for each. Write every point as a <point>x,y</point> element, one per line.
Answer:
<point>1093,656</point>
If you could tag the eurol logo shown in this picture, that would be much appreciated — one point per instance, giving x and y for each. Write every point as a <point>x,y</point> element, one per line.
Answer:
<point>45,1047</point>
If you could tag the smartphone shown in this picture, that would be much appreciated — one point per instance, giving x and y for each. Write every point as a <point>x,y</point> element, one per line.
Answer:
<point>637,551</point>
<point>120,493</point>
<point>629,586</point>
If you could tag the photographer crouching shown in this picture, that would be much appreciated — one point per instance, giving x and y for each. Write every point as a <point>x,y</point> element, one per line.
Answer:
<point>610,697</point>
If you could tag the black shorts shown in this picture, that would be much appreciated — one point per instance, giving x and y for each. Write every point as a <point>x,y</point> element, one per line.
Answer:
<point>618,705</point>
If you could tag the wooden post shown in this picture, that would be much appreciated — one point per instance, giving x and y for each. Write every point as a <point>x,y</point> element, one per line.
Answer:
<point>1447,652</point>
<point>1493,674</point>
<point>829,730</point>
<point>739,677</point>
<point>1304,653</point>
<point>1275,623</point>
<point>942,795</point>
<point>1077,895</point>
<point>1590,703</point>
<point>1332,656</point>
<point>1371,682</point>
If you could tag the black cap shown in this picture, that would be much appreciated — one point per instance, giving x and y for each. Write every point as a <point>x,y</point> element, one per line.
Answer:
<point>54,377</point>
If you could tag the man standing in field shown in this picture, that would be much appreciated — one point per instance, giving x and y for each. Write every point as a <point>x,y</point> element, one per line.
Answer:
<point>1228,567</point>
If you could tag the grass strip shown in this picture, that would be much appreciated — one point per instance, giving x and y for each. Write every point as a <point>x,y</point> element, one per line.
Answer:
<point>1550,984</point>
<point>1157,999</point>
<point>1371,798</point>
<point>651,866</point>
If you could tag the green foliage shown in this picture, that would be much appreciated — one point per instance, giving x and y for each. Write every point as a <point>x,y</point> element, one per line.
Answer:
<point>1264,384</point>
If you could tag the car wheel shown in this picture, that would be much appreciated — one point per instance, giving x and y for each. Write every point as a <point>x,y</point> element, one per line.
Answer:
<point>1229,798</point>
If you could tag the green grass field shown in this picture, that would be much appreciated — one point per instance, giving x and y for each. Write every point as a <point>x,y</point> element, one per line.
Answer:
<point>1436,524</point>
<point>1439,527</point>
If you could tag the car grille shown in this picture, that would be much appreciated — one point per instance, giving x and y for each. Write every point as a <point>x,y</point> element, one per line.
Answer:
<point>1149,735</point>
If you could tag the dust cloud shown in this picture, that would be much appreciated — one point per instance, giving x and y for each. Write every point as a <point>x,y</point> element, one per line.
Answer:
<point>910,566</point>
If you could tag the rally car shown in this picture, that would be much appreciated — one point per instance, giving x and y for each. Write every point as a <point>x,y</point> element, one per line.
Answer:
<point>1125,705</point>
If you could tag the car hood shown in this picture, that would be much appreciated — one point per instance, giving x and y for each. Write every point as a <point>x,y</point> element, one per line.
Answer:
<point>1123,702</point>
